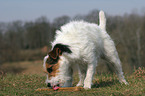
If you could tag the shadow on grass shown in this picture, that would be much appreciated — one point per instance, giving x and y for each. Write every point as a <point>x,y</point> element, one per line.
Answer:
<point>104,83</point>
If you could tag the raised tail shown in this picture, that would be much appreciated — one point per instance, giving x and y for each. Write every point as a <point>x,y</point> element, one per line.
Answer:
<point>102,20</point>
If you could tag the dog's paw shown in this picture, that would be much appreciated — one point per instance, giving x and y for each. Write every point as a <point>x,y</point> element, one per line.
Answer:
<point>124,82</point>
<point>87,88</point>
<point>79,85</point>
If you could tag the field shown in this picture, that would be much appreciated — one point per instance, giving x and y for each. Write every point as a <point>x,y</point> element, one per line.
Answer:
<point>23,78</point>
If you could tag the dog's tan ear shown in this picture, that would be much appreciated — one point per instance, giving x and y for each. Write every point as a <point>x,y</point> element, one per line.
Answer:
<point>54,54</point>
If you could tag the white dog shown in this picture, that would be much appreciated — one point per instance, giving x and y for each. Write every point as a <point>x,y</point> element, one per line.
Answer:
<point>82,44</point>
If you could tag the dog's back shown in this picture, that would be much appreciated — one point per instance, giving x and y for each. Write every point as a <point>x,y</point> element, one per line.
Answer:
<point>80,34</point>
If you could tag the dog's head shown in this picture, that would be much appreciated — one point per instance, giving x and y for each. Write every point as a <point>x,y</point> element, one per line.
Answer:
<point>52,64</point>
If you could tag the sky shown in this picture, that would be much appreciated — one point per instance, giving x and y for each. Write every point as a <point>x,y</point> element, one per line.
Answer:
<point>29,10</point>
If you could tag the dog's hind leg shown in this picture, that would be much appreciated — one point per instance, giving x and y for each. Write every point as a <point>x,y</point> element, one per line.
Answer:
<point>111,55</point>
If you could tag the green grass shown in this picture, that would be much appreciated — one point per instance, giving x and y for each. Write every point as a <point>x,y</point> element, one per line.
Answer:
<point>104,84</point>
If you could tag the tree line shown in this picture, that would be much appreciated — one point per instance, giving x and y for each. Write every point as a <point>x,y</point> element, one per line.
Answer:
<point>128,32</point>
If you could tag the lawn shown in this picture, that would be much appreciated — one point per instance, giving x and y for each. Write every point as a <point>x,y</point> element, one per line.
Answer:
<point>24,83</point>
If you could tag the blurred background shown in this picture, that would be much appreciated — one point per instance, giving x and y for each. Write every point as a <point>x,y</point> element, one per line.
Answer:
<point>27,28</point>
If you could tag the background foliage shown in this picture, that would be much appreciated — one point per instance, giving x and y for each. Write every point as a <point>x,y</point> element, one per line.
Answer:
<point>20,41</point>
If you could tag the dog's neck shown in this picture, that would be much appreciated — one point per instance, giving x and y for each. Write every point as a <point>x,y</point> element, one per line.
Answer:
<point>65,71</point>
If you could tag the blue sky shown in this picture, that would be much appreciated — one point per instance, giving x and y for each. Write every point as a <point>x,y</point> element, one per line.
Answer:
<point>26,10</point>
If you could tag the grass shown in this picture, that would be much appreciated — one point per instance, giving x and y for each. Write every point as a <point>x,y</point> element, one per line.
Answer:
<point>24,84</point>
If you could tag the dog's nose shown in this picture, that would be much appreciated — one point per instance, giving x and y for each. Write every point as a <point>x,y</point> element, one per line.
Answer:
<point>48,85</point>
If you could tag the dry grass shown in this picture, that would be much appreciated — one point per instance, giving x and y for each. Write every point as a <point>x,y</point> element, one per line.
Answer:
<point>26,67</point>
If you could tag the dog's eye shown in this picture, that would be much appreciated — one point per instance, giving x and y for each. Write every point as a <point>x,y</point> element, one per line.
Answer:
<point>49,70</point>
<point>51,61</point>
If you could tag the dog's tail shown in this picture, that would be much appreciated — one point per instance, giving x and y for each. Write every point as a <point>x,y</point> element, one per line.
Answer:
<point>102,20</point>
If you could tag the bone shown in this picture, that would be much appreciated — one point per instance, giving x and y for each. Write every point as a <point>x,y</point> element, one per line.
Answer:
<point>61,89</point>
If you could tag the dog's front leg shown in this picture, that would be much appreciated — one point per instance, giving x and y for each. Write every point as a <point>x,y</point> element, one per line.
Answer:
<point>68,82</point>
<point>89,76</point>
<point>82,74</point>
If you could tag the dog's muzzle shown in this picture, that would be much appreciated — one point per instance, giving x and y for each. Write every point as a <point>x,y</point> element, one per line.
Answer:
<point>54,87</point>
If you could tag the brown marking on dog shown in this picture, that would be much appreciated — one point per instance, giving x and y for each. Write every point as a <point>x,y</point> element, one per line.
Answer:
<point>53,67</point>
<point>55,53</point>
<point>55,70</point>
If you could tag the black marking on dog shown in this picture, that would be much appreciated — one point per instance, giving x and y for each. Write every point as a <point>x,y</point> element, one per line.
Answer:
<point>49,70</point>
<point>48,85</point>
<point>63,48</point>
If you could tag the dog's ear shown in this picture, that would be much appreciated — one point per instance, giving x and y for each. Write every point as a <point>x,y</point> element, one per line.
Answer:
<point>54,54</point>
<point>58,50</point>
<point>63,48</point>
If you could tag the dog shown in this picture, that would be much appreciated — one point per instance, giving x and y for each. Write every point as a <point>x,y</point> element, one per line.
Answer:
<point>80,44</point>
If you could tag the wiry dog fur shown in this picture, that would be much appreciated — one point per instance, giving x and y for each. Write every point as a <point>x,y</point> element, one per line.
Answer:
<point>82,44</point>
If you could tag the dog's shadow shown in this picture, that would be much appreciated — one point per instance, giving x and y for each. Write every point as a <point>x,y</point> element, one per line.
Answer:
<point>104,83</point>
